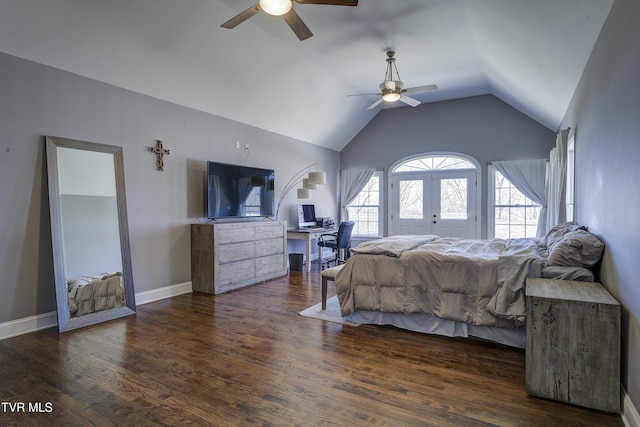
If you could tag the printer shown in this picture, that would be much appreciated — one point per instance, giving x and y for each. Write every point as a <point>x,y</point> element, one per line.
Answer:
<point>326,222</point>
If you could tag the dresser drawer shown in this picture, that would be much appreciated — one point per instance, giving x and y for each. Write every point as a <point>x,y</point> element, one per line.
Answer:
<point>269,247</point>
<point>269,231</point>
<point>236,272</point>
<point>269,264</point>
<point>236,252</point>
<point>225,236</point>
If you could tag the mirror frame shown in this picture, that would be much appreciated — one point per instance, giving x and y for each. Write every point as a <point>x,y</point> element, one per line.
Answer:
<point>65,321</point>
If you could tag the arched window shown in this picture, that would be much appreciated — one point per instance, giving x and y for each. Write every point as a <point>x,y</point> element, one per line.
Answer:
<point>432,163</point>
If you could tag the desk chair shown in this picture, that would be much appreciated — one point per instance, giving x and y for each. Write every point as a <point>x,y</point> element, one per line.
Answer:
<point>339,243</point>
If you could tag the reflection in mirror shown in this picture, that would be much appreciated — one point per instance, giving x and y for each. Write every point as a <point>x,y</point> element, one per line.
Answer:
<point>90,235</point>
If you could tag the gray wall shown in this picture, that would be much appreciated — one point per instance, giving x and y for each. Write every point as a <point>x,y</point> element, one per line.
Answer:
<point>605,112</point>
<point>37,100</point>
<point>482,127</point>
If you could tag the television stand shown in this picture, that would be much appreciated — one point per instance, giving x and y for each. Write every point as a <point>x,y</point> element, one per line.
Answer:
<point>232,255</point>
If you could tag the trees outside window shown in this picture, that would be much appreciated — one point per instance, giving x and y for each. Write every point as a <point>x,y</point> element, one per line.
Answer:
<point>365,209</point>
<point>514,214</point>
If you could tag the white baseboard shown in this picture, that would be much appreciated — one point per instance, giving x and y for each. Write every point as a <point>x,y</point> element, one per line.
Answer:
<point>161,293</point>
<point>630,415</point>
<point>27,325</point>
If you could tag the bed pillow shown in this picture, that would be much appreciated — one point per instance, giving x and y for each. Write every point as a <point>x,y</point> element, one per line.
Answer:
<point>577,248</point>
<point>559,231</point>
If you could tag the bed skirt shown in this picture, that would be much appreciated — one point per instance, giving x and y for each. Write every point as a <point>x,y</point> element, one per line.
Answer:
<point>425,323</point>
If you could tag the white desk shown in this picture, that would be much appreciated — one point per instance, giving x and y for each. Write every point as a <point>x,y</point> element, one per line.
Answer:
<point>309,234</point>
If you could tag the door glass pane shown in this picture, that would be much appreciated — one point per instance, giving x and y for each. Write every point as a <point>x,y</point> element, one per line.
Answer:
<point>453,198</point>
<point>411,197</point>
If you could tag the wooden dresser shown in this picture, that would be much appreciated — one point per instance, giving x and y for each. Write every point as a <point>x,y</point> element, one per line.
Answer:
<point>228,256</point>
<point>573,343</point>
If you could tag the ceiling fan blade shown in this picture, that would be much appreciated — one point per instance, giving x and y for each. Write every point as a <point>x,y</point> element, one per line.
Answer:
<point>375,104</point>
<point>420,89</point>
<point>365,94</point>
<point>330,2</point>
<point>410,101</point>
<point>241,17</point>
<point>297,25</point>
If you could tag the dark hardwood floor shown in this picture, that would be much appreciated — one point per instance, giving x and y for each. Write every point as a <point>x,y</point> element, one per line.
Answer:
<point>247,358</point>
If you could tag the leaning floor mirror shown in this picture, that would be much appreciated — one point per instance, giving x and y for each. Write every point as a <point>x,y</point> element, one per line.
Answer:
<point>89,232</point>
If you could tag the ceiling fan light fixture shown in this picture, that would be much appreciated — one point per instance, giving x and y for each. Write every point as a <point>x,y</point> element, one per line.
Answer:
<point>391,97</point>
<point>276,7</point>
<point>392,88</point>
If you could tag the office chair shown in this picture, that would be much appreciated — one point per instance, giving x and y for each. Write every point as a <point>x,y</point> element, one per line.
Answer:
<point>339,243</point>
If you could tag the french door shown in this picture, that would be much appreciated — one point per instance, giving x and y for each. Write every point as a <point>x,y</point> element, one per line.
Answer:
<point>438,202</point>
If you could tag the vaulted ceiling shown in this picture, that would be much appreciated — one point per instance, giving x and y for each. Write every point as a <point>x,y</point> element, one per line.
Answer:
<point>528,53</point>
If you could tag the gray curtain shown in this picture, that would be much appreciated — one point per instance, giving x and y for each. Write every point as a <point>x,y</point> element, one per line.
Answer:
<point>528,176</point>
<point>352,181</point>
<point>557,181</point>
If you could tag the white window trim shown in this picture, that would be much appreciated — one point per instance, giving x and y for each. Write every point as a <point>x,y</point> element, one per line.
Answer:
<point>491,201</point>
<point>570,202</point>
<point>380,174</point>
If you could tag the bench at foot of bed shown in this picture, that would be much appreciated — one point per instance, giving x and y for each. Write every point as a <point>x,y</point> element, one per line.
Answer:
<point>328,274</point>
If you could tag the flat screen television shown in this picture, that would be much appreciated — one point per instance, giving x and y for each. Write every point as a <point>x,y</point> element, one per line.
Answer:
<point>235,191</point>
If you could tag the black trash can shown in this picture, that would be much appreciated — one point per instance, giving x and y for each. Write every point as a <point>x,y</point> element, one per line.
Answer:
<point>295,262</point>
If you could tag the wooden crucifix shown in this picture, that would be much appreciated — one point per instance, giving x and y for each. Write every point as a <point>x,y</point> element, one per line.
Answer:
<point>160,152</point>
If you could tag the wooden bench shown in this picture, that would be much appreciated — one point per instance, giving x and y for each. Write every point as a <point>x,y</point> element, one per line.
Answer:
<point>328,274</point>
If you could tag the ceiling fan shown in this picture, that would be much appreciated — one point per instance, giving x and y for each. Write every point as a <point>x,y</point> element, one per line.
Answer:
<point>391,90</point>
<point>285,9</point>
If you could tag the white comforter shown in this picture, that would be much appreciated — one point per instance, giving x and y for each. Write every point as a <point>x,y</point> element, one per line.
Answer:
<point>480,282</point>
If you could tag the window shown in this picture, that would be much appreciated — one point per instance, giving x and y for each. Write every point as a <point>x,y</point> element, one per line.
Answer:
<point>571,167</point>
<point>411,199</point>
<point>511,214</point>
<point>453,198</point>
<point>252,205</point>
<point>432,163</point>
<point>365,209</point>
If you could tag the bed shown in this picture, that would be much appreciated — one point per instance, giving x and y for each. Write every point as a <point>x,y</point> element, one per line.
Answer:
<point>459,287</point>
<point>90,294</point>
